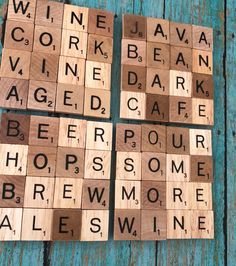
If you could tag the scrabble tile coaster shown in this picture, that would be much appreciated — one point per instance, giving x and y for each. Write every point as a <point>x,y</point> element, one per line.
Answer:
<point>166,71</point>
<point>54,178</point>
<point>55,56</point>
<point>163,186</point>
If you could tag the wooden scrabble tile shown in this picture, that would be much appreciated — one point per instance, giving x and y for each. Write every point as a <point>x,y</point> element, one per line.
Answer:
<point>43,131</point>
<point>158,81</point>
<point>41,161</point>
<point>153,224</point>
<point>100,22</point>
<point>70,162</point>
<point>49,13</point>
<point>180,109</point>
<point>133,52</point>
<point>127,225</point>
<point>133,78</point>
<point>177,140</point>
<point>14,128</point>
<point>128,137</point>
<point>179,224</point>
<point>36,224</point>
<point>127,194</point>
<point>181,34</point>
<point>180,83</point>
<point>153,166</point>
<point>66,224</point>
<point>100,48</point>
<point>44,66</point>
<point>98,75</point>
<point>21,10</point>
<point>47,40</point>
<point>71,70</point>
<point>178,196</point>
<point>99,136</point>
<point>95,225</point>
<point>134,27</point>
<point>14,93</point>
<point>202,224</point>
<point>153,195</point>
<point>181,58</point>
<point>202,62</point>
<point>97,103</point>
<point>74,43</point>
<point>70,99</point>
<point>12,191</point>
<point>153,138</point>
<point>67,193</point>
<point>41,95</point>
<point>203,111</point>
<point>39,192</point>
<point>13,159</point>
<point>157,107</point>
<point>202,38</point>
<point>201,168</point>
<point>200,142</point>
<point>97,164</point>
<point>202,86</point>
<point>95,194</point>
<point>132,105</point>
<point>128,165</point>
<point>201,196</point>
<point>177,167</point>
<point>15,64</point>
<point>75,18</point>
<point>158,30</point>
<point>19,37</point>
<point>72,132</point>
<point>10,219</point>
<point>158,55</point>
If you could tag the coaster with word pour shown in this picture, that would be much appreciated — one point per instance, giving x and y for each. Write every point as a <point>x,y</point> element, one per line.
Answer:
<point>54,178</point>
<point>57,58</point>
<point>166,71</point>
<point>163,187</point>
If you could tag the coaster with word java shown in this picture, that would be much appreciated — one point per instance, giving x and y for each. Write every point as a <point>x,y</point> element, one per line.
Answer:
<point>57,58</point>
<point>166,71</point>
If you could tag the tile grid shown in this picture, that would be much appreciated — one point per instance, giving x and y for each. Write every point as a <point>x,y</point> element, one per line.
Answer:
<point>57,58</point>
<point>55,178</point>
<point>166,70</point>
<point>163,187</point>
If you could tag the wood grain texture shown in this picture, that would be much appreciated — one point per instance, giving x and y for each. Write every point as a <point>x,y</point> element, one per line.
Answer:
<point>188,252</point>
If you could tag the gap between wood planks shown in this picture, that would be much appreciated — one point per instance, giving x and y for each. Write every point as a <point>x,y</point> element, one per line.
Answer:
<point>225,218</point>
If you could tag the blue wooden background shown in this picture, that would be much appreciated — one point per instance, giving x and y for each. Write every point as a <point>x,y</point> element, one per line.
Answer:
<point>219,14</point>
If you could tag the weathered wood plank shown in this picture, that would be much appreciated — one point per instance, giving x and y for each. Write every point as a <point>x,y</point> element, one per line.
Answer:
<point>231,130</point>
<point>204,252</point>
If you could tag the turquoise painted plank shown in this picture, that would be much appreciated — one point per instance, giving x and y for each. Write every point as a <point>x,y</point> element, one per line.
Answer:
<point>204,252</point>
<point>231,131</point>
